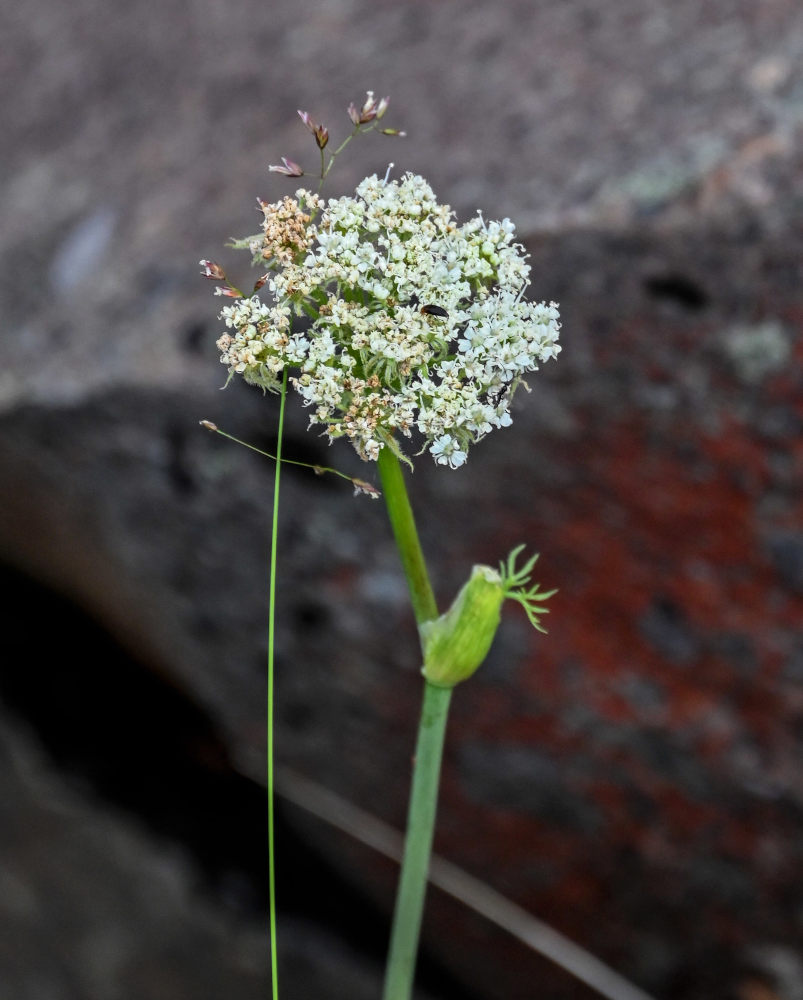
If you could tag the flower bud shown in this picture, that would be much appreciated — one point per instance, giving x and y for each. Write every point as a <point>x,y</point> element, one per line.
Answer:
<point>371,109</point>
<point>212,270</point>
<point>361,486</point>
<point>456,643</point>
<point>290,168</point>
<point>319,131</point>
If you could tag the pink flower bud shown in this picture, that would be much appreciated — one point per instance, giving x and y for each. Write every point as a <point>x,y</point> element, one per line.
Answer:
<point>290,169</point>
<point>368,110</point>
<point>371,109</point>
<point>361,486</point>
<point>212,270</point>
<point>260,282</point>
<point>232,293</point>
<point>319,131</point>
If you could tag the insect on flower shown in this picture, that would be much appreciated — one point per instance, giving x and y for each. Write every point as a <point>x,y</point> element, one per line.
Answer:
<point>435,311</point>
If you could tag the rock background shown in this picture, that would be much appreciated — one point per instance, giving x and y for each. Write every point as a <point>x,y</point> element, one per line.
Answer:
<point>633,778</point>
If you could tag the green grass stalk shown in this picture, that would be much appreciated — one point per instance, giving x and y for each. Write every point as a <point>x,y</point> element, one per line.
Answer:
<point>274,541</point>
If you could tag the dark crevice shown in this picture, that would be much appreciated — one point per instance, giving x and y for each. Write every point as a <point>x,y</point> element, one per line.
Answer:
<point>311,615</point>
<point>678,289</point>
<point>143,746</point>
<point>194,337</point>
<point>180,470</point>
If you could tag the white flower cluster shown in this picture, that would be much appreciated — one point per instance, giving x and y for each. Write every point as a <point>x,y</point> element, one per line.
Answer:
<point>416,325</point>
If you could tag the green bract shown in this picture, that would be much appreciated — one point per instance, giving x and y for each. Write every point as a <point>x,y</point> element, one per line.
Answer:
<point>456,643</point>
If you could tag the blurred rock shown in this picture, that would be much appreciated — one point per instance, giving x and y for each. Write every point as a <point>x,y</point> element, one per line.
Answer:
<point>633,777</point>
<point>92,907</point>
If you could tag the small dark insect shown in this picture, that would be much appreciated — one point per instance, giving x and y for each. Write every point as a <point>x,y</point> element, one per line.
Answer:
<point>434,311</point>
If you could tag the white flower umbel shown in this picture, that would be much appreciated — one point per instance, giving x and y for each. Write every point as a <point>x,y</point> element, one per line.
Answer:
<point>414,325</point>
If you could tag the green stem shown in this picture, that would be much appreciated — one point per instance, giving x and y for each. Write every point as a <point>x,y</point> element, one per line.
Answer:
<point>406,535</point>
<point>274,962</point>
<point>409,908</point>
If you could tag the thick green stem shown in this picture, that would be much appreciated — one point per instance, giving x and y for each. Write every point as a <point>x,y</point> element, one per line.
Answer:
<point>404,531</point>
<point>409,909</point>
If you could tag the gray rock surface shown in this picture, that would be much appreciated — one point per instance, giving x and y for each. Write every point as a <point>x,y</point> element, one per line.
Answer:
<point>651,155</point>
<point>91,907</point>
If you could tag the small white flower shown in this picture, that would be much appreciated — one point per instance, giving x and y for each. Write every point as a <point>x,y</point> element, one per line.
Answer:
<point>445,451</point>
